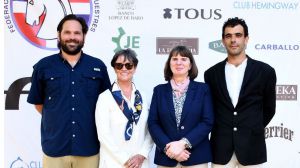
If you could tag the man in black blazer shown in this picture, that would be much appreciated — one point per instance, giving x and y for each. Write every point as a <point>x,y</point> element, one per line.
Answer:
<point>243,91</point>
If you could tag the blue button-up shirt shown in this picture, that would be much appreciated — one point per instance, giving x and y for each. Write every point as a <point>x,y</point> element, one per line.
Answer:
<point>69,96</point>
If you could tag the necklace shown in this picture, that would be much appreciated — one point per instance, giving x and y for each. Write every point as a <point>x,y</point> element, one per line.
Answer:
<point>178,83</point>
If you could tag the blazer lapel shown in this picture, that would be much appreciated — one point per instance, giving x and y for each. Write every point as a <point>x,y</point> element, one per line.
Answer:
<point>221,81</point>
<point>169,101</point>
<point>247,76</point>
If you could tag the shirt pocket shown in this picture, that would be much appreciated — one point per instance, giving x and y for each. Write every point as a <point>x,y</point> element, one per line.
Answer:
<point>53,87</point>
<point>92,83</point>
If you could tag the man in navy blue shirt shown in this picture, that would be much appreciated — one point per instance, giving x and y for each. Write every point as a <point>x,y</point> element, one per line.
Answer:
<point>65,89</point>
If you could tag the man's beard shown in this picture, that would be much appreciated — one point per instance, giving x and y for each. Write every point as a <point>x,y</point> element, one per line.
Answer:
<point>71,50</point>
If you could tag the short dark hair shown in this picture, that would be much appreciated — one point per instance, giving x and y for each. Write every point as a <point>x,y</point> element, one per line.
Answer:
<point>73,17</point>
<point>184,52</point>
<point>232,22</point>
<point>128,54</point>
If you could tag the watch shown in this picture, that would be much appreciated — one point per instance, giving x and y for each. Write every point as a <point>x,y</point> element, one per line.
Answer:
<point>187,144</point>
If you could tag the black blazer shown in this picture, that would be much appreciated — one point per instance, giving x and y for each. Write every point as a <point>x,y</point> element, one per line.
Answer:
<point>240,129</point>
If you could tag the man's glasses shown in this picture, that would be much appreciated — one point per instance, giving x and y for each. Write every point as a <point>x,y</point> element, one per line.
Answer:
<point>119,66</point>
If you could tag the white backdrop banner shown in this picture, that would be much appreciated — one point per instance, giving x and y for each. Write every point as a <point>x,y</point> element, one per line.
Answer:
<point>151,28</point>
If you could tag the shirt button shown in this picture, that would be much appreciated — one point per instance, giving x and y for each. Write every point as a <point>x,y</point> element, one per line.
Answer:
<point>94,78</point>
<point>72,69</point>
<point>73,95</point>
<point>235,113</point>
<point>73,135</point>
<point>73,83</point>
<point>182,127</point>
<point>73,109</point>
<point>51,78</point>
<point>234,129</point>
<point>49,98</point>
<point>73,122</point>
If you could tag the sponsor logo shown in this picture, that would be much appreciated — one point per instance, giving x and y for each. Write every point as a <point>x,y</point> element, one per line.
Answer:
<point>122,41</point>
<point>192,13</point>
<point>217,46</point>
<point>165,44</point>
<point>265,5</point>
<point>279,132</point>
<point>286,92</point>
<point>277,47</point>
<point>14,92</point>
<point>37,20</point>
<point>19,163</point>
<point>7,17</point>
<point>126,10</point>
<point>96,16</point>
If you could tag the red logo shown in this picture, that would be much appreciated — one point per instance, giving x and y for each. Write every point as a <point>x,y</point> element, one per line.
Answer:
<point>37,20</point>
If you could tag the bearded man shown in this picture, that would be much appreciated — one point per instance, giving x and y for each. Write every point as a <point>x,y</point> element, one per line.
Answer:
<point>64,89</point>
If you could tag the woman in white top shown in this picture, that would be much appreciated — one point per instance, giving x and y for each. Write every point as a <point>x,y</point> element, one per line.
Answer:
<point>121,118</point>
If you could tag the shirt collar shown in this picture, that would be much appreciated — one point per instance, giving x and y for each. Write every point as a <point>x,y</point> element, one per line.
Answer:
<point>243,64</point>
<point>115,87</point>
<point>64,60</point>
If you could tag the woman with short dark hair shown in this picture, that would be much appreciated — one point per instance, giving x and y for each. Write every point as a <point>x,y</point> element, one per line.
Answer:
<point>121,118</point>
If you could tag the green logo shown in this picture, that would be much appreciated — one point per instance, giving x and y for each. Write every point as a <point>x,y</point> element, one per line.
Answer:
<point>217,46</point>
<point>130,41</point>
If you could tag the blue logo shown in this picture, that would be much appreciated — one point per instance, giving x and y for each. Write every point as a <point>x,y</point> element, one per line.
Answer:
<point>277,47</point>
<point>265,5</point>
<point>19,163</point>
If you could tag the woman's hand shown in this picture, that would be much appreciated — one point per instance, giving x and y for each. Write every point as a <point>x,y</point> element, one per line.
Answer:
<point>183,156</point>
<point>175,148</point>
<point>135,162</point>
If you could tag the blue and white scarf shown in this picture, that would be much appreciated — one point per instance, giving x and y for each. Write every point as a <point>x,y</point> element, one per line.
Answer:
<point>133,117</point>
